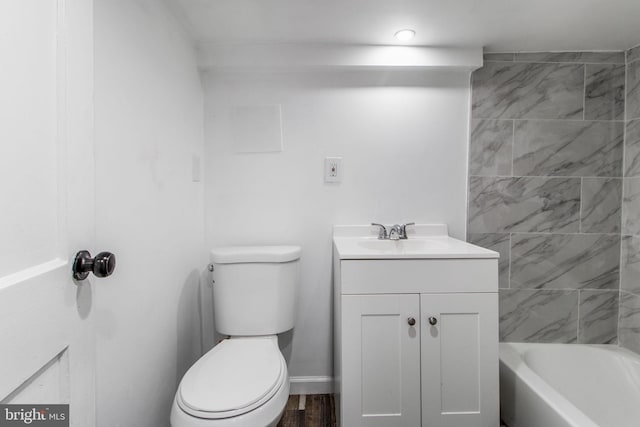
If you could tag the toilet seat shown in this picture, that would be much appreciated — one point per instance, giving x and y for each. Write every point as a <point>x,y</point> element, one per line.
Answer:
<point>237,376</point>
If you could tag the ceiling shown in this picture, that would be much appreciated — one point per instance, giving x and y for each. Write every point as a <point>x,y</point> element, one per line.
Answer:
<point>497,25</point>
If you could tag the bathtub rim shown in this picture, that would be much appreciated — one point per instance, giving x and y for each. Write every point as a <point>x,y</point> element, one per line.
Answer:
<point>511,358</point>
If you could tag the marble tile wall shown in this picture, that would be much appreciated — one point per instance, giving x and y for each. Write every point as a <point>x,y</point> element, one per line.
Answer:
<point>629,324</point>
<point>546,184</point>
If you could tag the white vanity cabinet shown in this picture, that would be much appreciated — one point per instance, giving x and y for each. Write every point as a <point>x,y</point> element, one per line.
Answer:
<point>459,360</point>
<point>381,360</point>
<point>416,337</point>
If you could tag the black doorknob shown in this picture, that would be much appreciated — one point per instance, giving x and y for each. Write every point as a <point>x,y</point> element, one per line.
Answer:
<point>102,265</point>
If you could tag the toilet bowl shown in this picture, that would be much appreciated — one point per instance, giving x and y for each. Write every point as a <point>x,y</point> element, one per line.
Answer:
<point>240,382</point>
<point>243,381</point>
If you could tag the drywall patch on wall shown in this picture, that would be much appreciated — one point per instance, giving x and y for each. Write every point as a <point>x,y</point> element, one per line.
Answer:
<point>256,128</point>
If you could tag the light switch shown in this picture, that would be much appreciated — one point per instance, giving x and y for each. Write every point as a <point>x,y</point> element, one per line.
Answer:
<point>333,169</point>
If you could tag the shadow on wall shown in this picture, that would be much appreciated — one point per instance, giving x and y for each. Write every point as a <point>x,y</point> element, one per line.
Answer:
<point>284,342</point>
<point>84,298</point>
<point>190,321</point>
<point>210,335</point>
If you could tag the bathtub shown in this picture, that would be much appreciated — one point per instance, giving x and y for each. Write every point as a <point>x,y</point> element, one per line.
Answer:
<point>569,385</point>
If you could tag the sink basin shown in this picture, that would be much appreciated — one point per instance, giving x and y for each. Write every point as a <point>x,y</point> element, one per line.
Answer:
<point>400,246</point>
<point>424,242</point>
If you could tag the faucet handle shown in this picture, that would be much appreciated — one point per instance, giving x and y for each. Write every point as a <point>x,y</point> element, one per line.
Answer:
<point>382,234</point>
<point>403,228</point>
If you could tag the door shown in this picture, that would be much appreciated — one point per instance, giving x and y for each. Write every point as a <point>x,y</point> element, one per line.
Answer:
<point>46,195</point>
<point>459,360</point>
<point>381,360</point>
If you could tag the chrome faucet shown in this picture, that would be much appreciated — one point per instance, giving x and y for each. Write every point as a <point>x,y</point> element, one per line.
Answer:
<point>396,232</point>
<point>382,233</point>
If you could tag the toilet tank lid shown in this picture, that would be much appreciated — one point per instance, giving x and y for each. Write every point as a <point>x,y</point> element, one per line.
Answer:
<point>245,254</point>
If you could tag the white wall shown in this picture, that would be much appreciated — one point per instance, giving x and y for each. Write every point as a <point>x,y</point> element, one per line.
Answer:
<point>402,136</point>
<point>149,124</point>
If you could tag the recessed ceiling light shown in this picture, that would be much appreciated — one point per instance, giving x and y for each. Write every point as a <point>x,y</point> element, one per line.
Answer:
<point>404,35</point>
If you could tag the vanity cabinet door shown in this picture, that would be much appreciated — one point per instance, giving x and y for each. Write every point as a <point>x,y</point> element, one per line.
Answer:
<point>459,360</point>
<point>381,360</point>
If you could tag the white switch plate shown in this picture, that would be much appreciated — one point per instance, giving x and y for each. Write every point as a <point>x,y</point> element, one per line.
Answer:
<point>333,169</point>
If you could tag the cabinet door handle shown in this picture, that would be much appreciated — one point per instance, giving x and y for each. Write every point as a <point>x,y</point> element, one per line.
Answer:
<point>411,321</point>
<point>433,321</point>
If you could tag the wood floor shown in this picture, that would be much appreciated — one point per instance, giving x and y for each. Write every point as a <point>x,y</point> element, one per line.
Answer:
<point>312,410</point>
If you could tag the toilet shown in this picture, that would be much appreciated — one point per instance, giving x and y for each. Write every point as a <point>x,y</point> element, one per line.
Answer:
<point>243,381</point>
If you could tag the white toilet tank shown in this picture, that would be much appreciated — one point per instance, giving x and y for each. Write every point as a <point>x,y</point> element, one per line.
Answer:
<point>255,289</point>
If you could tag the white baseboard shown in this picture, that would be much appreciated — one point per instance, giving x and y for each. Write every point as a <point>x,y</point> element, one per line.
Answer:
<point>311,385</point>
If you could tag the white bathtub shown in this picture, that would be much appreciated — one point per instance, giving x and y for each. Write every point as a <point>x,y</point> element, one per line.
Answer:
<point>569,385</point>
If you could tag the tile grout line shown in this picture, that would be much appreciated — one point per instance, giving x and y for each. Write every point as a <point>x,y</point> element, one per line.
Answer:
<point>578,320</point>
<point>619,316</point>
<point>580,210</point>
<point>536,119</point>
<point>622,209</point>
<point>550,233</point>
<point>549,176</point>
<point>513,144</point>
<point>584,92</point>
<point>619,294</point>
<point>565,289</point>
<point>509,275</point>
<point>513,149</point>
<point>624,131</point>
<point>563,63</point>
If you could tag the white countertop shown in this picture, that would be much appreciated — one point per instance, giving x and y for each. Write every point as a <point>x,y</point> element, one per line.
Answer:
<point>425,241</point>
